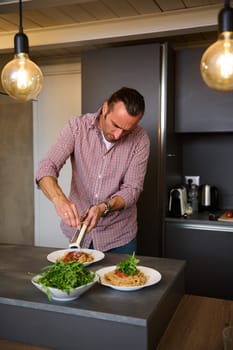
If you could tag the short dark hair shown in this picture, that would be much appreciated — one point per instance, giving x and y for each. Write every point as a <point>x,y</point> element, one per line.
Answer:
<point>132,99</point>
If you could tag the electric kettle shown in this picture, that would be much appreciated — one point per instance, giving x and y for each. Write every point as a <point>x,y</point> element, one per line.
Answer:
<point>209,197</point>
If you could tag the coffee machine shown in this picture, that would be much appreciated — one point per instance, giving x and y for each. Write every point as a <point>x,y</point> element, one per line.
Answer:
<point>177,201</point>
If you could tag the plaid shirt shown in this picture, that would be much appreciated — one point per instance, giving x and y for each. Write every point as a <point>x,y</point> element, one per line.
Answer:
<point>99,174</point>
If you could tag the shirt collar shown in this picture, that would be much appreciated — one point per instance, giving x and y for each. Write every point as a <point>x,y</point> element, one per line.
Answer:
<point>94,120</point>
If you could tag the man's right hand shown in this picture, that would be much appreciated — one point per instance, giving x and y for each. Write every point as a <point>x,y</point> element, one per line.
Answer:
<point>67,211</point>
<point>64,207</point>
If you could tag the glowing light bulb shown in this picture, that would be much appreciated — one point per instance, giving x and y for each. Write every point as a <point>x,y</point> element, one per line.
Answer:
<point>21,78</point>
<point>217,63</point>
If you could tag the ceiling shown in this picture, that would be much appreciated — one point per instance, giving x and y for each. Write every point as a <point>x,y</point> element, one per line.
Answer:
<point>65,28</point>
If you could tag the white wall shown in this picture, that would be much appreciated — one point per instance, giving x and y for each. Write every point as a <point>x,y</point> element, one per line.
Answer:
<point>59,100</point>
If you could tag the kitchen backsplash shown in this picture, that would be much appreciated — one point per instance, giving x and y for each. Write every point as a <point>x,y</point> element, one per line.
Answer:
<point>210,156</point>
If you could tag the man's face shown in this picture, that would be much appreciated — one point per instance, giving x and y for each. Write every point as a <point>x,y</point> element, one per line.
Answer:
<point>117,123</point>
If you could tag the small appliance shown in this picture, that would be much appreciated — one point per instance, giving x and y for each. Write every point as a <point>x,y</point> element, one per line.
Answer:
<point>209,197</point>
<point>177,201</point>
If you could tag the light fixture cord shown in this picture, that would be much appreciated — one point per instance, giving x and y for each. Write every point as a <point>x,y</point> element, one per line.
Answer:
<point>20,17</point>
<point>21,40</point>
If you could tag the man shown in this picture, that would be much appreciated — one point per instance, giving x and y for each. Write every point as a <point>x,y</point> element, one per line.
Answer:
<point>109,153</point>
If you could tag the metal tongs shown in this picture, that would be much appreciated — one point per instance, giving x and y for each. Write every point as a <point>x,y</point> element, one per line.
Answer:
<point>77,238</point>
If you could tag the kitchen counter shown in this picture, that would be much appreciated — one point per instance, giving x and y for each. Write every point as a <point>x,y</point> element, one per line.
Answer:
<point>103,316</point>
<point>207,250</point>
<point>201,221</point>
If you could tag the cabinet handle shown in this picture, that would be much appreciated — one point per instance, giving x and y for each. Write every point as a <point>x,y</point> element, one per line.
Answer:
<point>170,155</point>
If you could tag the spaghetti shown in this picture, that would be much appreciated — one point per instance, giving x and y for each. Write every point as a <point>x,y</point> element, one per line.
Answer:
<point>118,278</point>
<point>82,257</point>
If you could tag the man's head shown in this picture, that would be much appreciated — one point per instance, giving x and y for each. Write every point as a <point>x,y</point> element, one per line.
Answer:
<point>121,113</point>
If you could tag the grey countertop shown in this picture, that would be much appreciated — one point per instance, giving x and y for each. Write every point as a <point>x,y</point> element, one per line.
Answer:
<point>202,221</point>
<point>19,263</point>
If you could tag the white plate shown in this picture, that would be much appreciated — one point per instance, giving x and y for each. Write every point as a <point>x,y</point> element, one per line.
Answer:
<point>57,254</point>
<point>60,295</point>
<point>153,277</point>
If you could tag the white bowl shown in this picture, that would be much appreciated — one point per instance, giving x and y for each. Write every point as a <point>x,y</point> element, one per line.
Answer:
<point>60,295</point>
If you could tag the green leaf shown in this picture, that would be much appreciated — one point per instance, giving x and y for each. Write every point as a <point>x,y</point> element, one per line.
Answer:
<point>65,276</point>
<point>129,265</point>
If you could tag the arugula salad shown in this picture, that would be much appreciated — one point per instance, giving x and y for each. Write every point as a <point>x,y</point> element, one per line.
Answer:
<point>65,276</point>
<point>129,265</point>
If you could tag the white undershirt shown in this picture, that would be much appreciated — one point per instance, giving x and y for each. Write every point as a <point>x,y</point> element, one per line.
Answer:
<point>106,142</point>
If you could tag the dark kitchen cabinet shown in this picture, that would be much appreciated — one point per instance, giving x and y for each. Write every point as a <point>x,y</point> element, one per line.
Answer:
<point>207,250</point>
<point>140,67</point>
<point>197,107</point>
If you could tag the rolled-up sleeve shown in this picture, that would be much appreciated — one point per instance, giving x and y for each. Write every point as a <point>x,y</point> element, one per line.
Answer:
<point>57,155</point>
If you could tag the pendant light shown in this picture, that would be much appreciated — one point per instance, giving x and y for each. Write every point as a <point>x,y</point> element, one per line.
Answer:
<point>217,61</point>
<point>21,78</point>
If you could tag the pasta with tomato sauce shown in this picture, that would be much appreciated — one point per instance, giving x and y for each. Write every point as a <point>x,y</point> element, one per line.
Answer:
<point>82,257</point>
<point>118,278</point>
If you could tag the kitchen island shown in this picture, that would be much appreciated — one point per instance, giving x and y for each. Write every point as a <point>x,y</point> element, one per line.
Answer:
<point>102,317</point>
